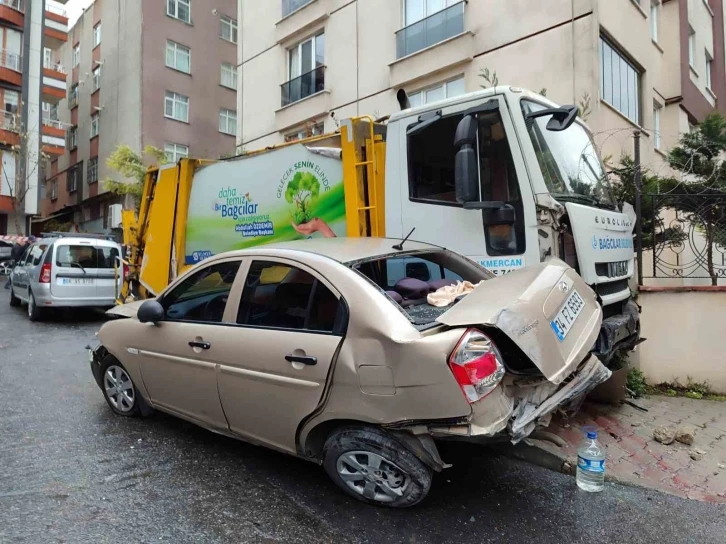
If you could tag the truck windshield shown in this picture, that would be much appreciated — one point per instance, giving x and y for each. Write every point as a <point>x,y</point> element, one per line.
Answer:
<point>569,162</point>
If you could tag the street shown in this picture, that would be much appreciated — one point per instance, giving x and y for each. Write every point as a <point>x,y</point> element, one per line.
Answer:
<point>71,471</point>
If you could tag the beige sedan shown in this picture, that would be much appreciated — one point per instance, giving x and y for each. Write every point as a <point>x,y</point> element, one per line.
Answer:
<point>330,350</point>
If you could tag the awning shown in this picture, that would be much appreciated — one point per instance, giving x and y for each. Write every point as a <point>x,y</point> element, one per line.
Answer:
<point>14,239</point>
<point>61,213</point>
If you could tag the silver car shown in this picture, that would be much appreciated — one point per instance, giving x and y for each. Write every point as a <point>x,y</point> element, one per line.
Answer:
<point>67,272</point>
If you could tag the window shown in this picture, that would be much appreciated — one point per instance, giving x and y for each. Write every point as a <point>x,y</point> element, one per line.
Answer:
<point>36,253</point>
<point>178,57</point>
<point>96,79</point>
<point>654,20</point>
<point>10,100</point>
<point>314,129</point>
<point>77,54</point>
<point>94,125</point>
<point>97,35</point>
<point>229,75</point>
<point>228,29</point>
<point>691,47</point>
<point>92,170</point>
<point>656,124</point>
<point>73,179</point>
<point>280,296</point>
<point>176,106</point>
<point>73,138</point>
<point>709,67</point>
<point>201,297</point>
<point>428,22</point>
<point>305,70</point>
<point>452,88</point>
<point>48,58</point>
<point>54,189</point>
<point>288,6</point>
<point>228,122</point>
<point>73,97</point>
<point>619,82</point>
<point>179,9</point>
<point>87,256</point>
<point>174,152</point>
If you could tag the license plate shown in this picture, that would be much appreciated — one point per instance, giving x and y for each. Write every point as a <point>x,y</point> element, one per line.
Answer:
<point>75,281</point>
<point>571,309</point>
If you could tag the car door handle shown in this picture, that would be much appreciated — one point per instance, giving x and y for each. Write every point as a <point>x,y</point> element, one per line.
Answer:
<point>302,359</point>
<point>202,345</point>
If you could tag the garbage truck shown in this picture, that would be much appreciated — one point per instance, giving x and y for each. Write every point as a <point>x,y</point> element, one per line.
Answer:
<point>502,175</point>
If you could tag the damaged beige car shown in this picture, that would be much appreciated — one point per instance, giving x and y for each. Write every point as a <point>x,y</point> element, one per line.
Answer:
<point>329,350</point>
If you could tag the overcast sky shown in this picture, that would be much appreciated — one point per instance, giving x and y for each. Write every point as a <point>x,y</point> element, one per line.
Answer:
<point>75,9</point>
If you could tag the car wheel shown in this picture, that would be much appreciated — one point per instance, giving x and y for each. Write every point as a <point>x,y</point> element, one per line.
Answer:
<point>119,390</point>
<point>14,301</point>
<point>375,468</point>
<point>34,313</point>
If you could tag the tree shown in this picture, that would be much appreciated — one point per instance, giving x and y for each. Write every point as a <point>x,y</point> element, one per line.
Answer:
<point>130,165</point>
<point>301,190</point>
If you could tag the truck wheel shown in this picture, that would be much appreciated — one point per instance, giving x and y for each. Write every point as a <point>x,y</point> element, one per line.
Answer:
<point>34,313</point>
<point>373,467</point>
<point>14,301</point>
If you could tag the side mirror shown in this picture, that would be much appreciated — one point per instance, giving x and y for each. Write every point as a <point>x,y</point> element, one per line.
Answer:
<point>150,312</point>
<point>466,173</point>
<point>562,118</point>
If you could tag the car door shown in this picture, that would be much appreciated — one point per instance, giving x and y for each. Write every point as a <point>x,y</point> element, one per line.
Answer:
<point>20,275</point>
<point>110,270</point>
<point>178,356</point>
<point>290,324</point>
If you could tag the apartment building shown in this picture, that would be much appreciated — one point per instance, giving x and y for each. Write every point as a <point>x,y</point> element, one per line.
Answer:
<point>30,31</point>
<point>158,72</point>
<point>655,65</point>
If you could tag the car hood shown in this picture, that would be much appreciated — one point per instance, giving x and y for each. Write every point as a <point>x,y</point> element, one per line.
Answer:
<point>523,303</point>
<point>126,310</point>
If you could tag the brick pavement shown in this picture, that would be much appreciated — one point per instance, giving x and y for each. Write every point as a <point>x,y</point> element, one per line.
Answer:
<point>635,458</point>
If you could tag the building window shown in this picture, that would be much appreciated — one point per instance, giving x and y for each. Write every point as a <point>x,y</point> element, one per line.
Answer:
<point>48,58</point>
<point>72,180</point>
<point>73,138</point>
<point>96,79</point>
<point>654,20</point>
<point>428,22</point>
<point>97,35</point>
<point>228,122</point>
<point>179,9</point>
<point>94,125</point>
<point>449,89</point>
<point>288,6</point>
<point>174,152</point>
<point>176,106</point>
<point>54,189</point>
<point>77,54</point>
<point>10,101</point>
<point>92,170</point>
<point>73,97</point>
<point>305,70</point>
<point>178,57</point>
<point>709,67</point>
<point>656,124</point>
<point>619,82</point>
<point>691,47</point>
<point>228,29</point>
<point>313,129</point>
<point>229,75</point>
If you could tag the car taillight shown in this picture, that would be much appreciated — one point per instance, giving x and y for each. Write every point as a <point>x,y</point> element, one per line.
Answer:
<point>477,365</point>
<point>45,273</point>
<point>126,271</point>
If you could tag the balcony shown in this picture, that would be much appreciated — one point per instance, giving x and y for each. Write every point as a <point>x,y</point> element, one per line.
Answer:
<point>289,6</point>
<point>56,26</point>
<point>11,68</point>
<point>434,29</point>
<point>303,86</point>
<point>13,12</point>
<point>53,136</point>
<point>55,87</point>
<point>9,124</point>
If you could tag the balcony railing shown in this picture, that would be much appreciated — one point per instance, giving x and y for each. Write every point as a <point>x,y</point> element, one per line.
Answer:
<point>11,60</point>
<point>303,86</point>
<point>55,9</point>
<point>56,66</point>
<point>435,28</point>
<point>9,121</point>
<point>288,6</point>
<point>55,123</point>
<point>15,4</point>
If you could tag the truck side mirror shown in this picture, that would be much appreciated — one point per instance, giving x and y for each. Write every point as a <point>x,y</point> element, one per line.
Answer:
<point>466,173</point>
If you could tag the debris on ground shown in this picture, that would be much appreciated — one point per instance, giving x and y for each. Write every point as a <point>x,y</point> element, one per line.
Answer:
<point>664,435</point>
<point>697,455</point>
<point>684,436</point>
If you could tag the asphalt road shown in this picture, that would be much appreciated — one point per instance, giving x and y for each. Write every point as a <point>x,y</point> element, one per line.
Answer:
<point>71,471</point>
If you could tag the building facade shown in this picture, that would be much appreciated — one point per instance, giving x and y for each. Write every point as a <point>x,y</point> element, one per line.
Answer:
<point>655,65</point>
<point>159,73</point>
<point>30,32</point>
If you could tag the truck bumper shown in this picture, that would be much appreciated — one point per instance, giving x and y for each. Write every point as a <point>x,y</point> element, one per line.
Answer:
<point>618,332</point>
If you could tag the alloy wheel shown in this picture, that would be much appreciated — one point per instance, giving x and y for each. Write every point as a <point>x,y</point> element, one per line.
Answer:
<point>372,476</point>
<point>119,388</point>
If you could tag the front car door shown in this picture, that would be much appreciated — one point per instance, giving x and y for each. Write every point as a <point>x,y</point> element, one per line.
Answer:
<point>19,276</point>
<point>290,324</point>
<point>178,356</point>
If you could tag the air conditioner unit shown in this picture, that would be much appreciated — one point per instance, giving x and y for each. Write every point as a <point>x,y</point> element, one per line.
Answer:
<point>114,216</point>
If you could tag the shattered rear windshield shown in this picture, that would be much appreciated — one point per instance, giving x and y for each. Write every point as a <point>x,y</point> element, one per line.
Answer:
<point>408,278</point>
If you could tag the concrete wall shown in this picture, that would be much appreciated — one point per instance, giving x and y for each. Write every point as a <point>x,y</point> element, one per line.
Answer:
<point>683,343</point>
<point>700,17</point>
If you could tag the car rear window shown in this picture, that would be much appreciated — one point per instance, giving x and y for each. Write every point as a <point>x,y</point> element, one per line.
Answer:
<point>69,256</point>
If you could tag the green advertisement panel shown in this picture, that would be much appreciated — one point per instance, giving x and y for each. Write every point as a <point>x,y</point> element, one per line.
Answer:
<point>287,194</point>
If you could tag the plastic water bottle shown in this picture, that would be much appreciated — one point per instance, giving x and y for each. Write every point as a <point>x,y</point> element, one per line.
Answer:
<point>591,464</point>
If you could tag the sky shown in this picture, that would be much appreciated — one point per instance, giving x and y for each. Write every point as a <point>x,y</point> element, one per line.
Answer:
<point>75,8</point>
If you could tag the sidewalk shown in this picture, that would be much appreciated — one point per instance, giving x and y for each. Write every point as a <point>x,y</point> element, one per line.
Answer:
<point>634,457</point>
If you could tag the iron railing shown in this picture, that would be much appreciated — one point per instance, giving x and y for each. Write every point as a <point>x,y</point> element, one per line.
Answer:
<point>11,60</point>
<point>303,86</point>
<point>288,6</point>
<point>55,9</point>
<point>435,28</point>
<point>15,4</point>
<point>56,66</point>
<point>9,121</point>
<point>55,123</point>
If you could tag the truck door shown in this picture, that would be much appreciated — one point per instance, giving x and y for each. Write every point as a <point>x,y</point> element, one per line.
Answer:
<point>427,195</point>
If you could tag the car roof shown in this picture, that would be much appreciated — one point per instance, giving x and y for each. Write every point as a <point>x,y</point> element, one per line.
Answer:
<point>344,250</point>
<point>68,240</point>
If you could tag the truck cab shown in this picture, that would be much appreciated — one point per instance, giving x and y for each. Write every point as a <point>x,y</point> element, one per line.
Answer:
<point>509,179</point>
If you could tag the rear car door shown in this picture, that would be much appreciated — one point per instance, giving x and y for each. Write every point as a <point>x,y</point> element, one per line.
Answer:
<point>20,275</point>
<point>291,322</point>
<point>74,270</point>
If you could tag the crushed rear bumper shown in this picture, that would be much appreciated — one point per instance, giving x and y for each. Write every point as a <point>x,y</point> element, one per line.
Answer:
<point>618,332</point>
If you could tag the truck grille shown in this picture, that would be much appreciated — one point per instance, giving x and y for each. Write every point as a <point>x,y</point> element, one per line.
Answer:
<point>614,269</point>
<point>611,288</point>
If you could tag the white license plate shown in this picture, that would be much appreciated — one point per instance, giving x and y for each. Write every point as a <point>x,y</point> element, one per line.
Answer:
<point>571,309</point>
<point>75,281</point>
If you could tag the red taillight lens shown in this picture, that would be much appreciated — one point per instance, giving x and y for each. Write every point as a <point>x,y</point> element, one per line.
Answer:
<point>126,271</point>
<point>45,273</point>
<point>477,365</point>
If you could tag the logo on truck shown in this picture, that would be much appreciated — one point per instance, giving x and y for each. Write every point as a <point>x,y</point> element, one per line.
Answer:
<point>610,242</point>
<point>241,209</point>
<point>301,186</point>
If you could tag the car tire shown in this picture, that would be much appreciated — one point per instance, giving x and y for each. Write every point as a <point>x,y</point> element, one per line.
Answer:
<point>126,400</point>
<point>14,301</point>
<point>34,313</point>
<point>375,468</point>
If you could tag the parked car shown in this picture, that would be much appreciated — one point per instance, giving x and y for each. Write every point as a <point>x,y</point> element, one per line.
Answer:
<point>6,249</point>
<point>328,349</point>
<point>69,271</point>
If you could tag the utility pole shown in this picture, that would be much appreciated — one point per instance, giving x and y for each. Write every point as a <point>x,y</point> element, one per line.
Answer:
<point>638,198</point>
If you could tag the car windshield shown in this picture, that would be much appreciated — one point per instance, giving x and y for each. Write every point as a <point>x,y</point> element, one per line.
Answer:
<point>408,279</point>
<point>569,161</point>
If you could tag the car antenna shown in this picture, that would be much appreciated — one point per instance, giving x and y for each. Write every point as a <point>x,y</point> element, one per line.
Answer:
<point>399,247</point>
